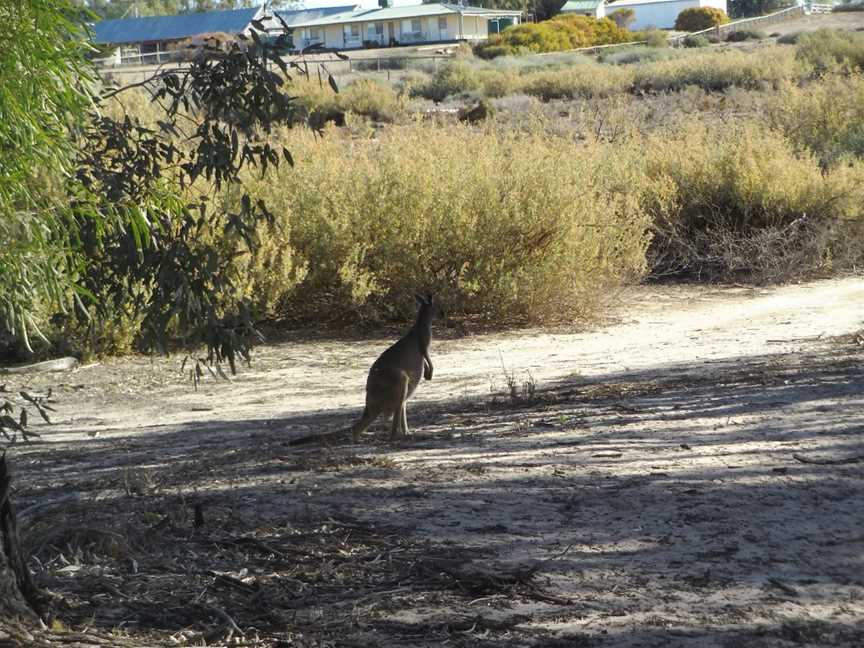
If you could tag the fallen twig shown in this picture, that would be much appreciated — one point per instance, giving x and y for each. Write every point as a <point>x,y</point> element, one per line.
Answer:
<point>828,462</point>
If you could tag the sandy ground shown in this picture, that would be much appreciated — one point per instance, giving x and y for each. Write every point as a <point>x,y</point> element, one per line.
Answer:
<point>852,20</point>
<point>637,486</point>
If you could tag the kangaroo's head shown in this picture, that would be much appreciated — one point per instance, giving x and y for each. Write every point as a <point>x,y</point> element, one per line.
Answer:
<point>428,310</point>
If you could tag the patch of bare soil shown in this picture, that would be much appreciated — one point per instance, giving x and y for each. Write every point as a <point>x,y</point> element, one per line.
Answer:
<point>851,20</point>
<point>688,475</point>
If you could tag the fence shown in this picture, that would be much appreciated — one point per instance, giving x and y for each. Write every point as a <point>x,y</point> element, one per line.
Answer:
<point>745,23</point>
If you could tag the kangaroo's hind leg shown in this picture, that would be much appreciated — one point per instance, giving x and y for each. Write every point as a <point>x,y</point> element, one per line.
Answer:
<point>400,420</point>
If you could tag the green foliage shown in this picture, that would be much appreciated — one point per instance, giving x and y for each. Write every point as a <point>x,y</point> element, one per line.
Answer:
<point>748,8</point>
<point>160,265</point>
<point>44,81</point>
<point>695,41</point>
<point>828,50</point>
<point>124,8</point>
<point>565,32</point>
<point>699,18</point>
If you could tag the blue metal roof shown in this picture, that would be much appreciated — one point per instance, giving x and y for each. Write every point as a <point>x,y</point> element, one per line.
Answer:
<point>162,28</point>
<point>292,18</point>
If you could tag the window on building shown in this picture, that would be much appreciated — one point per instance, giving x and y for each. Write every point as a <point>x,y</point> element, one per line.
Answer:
<point>442,23</point>
<point>415,25</point>
<point>351,32</point>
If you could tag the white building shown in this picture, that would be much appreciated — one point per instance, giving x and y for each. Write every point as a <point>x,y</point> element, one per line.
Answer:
<point>409,24</point>
<point>660,14</point>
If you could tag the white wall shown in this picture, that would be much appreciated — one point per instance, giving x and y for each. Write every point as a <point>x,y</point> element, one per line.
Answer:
<point>661,14</point>
<point>473,27</point>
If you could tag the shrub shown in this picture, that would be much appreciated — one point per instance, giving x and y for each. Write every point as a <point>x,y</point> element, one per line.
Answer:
<point>655,38</point>
<point>531,237</point>
<point>789,39</point>
<point>828,50</point>
<point>742,35</point>
<point>699,18</point>
<point>372,99</point>
<point>452,78</point>
<point>585,81</point>
<point>825,118</point>
<point>695,41</point>
<point>635,55</point>
<point>719,70</point>
<point>743,203</point>
<point>564,32</point>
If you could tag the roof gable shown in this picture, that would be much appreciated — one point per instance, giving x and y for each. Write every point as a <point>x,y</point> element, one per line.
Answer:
<point>159,28</point>
<point>581,5</point>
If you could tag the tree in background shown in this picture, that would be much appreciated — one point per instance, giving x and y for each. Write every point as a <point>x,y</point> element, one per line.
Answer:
<point>623,17</point>
<point>108,9</point>
<point>748,8</point>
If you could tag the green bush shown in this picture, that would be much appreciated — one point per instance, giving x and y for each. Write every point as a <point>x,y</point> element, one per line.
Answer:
<point>564,32</point>
<point>695,41</point>
<point>699,18</point>
<point>742,35</point>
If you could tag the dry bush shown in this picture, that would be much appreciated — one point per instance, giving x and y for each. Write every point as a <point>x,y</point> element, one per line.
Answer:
<point>719,70</point>
<point>828,50</point>
<point>452,78</point>
<point>826,118</point>
<point>318,103</point>
<point>586,81</point>
<point>743,204</point>
<point>535,237</point>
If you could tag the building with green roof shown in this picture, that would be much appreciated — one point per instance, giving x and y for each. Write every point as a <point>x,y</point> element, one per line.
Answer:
<point>590,8</point>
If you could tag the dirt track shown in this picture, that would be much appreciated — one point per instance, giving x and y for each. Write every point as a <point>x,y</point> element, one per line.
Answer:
<point>646,494</point>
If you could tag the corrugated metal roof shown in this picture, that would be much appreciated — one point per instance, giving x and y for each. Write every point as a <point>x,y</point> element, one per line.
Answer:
<point>162,28</point>
<point>292,18</point>
<point>405,13</point>
<point>580,5</point>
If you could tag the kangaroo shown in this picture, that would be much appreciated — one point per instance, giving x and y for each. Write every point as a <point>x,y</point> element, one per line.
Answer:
<point>396,373</point>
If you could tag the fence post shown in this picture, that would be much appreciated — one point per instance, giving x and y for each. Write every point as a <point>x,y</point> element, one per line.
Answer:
<point>349,65</point>
<point>379,63</point>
